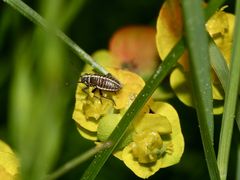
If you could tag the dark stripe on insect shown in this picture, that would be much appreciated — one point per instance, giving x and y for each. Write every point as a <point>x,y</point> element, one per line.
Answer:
<point>101,82</point>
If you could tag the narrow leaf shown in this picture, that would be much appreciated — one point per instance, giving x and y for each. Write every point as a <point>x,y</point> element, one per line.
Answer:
<point>77,160</point>
<point>200,69</point>
<point>230,101</point>
<point>219,64</point>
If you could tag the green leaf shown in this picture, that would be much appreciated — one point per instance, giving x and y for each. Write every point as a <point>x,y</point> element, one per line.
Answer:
<point>219,64</point>
<point>230,101</point>
<point>200,69</point>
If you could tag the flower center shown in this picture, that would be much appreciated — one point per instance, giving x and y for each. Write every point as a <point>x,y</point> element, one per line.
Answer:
<point>147,147</point>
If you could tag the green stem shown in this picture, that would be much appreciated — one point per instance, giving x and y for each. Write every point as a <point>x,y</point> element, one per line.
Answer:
<point>230,101</point>
<point>219,64</point>
<point>200,75</point>
<point>77,160</point>
<point>32,15</point>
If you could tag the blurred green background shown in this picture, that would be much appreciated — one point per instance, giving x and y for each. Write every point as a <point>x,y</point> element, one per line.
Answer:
<point>38,76</point>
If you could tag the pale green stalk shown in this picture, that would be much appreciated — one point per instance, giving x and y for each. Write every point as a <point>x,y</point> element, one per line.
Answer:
<point>77,160</point>
<point>230,101</point>
<point>39,20</point>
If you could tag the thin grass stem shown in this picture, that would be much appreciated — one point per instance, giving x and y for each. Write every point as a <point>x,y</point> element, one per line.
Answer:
<point>230,101</point>
<point>32,15</point>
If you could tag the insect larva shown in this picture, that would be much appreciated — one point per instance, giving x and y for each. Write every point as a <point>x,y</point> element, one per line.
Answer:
<point>101,82</point>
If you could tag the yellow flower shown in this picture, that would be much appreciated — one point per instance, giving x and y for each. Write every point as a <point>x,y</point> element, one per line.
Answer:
<point>153,140</point>
<point>157,141</point>
<point>9,164</point>
<point>91,107</point>
<point>220,26</point>
<point>181,84</point>
<point>170,30</point>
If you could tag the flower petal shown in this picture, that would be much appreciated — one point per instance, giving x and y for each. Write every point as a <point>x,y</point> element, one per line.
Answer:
<point>92,136</point>
<point>170,29</point>
<point>153,122</point>
<point>181,85</point>
<point>156,144</point>
<point>175,138</point>
<point>141,170</point>
<point>220,26</point>
<point>9,164</point>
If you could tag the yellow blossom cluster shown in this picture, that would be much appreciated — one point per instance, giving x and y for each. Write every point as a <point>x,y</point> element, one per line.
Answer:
<point>169,31</point>
<point>153,140</point>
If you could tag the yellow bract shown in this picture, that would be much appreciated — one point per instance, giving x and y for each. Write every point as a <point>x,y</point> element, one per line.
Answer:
<point>220,26</point>
<point>9,164</point>
<point>157,141</point>
<point>180,82</point>
<point>169,32</point>
<point>149,141</point>
<point>146,147</point>
<point>175,139</point>
<point>91,107</point>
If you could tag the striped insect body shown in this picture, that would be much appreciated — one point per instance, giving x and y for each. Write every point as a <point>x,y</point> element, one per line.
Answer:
<point>101,82</point>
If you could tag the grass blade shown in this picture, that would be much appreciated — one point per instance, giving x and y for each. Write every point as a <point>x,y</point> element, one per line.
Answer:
<point>32,15</point>
<point>77,160</point>
<point>200,66</point>
<point>219,64</point>
<point>230,101</point>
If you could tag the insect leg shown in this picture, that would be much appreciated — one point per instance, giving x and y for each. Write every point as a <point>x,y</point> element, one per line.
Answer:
<point>85,90</point>
<point>94,90</point>
<point>101,94</point>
